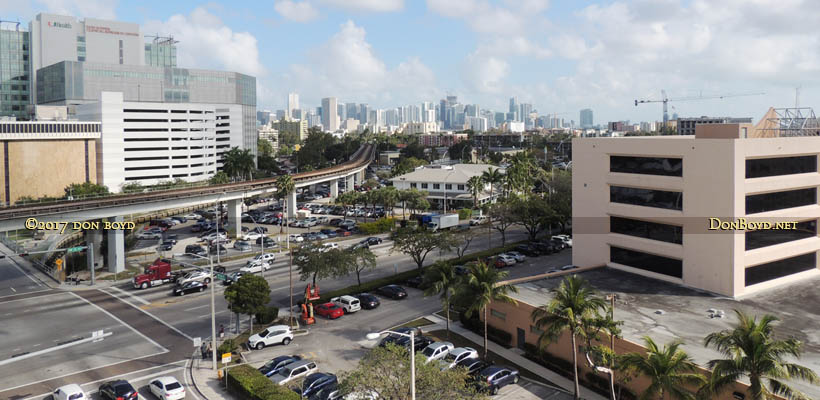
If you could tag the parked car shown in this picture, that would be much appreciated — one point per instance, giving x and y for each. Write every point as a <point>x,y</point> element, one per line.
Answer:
<point>275,365</point>
<point>368,301</point>
<point>415,281</point>
<point>268,242</point>
<point>397,339</point>
<point>167,387</point>
<point>147,235</point>
<point>242,245</point>
<point>527,250</point>
<point>69,392</point>
<point>506,259</point>
<point>253,235</point>
<point>568,267</point>
<point>517,256</point>
<point>564,238</point>
<point>118,390</point>
<point>271,335</point>
<point>195,249</point>
<point>296,238</point>
<point>218,249</point>
<point>266,257</point>
<point>294,371</point>
<point>343,232</point>
<point>329,310</point>
<point>543,248</point>
<point>316,381</point>
<point>473,365</point>
<point>461,270</point>
<point>190,216</point>
<point>458,355</point>
<point>182,289</point>
<point>255,267</point>
<point>349,304</point>
<point>478,220</point>
<point>496,377</point>
<point>437,350</point>
<point>171,238</point>
<point>394,292</point>
<point>419,342</point>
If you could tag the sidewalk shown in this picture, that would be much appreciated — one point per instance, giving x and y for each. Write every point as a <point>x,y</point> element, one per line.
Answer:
<point>206,385</point>
<point>525,363</point>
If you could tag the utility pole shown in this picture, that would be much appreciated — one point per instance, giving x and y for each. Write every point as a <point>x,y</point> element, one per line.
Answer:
<point>290,290</point>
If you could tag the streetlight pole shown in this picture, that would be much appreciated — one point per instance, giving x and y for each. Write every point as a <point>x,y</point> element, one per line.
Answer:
<point>412,336</point>
<point>213,303</point>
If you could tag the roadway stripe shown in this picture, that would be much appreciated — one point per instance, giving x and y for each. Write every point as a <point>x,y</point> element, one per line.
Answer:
<point>150,315</point>
<point>12,289</point>
<point>216,313</point>
<point>29,297</point>
<point>50,349</point>
<point>119,320</point>
<point>197,307</point>
<point>139,299</point>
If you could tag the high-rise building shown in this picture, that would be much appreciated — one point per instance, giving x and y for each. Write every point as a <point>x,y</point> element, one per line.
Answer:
<point>477,124</point>
<point>364,113</point>
<point>341,111</point>
<point>330,116</point>
<point>524,110</point>
<point>471,110</point>
<point>161,52</point>
<point>293,103</point>
<point>263,117</point>
<point>586,118</point>
<point>425,108</point>
<point>513,104</point>
<point>352,111</point>
<point>15,84</point>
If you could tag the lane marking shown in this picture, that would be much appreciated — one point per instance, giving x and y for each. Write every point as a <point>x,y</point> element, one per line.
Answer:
<point>15,265</point>
<point>150,315</point>
<point>209,314</point>
<point>194,308</point>
<point>50,349</point>
<point>12,289</point>
<point>34,297</point>
<point>137,298</point>
<point>119,320</point>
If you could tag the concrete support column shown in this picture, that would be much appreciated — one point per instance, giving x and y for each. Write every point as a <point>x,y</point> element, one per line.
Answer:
<point>334,188</point>
<point>313,188</point>
<point>116,248</point>
<point>291,206</point>
<point>351,181</point>
<point>362,177</point>
<point>95,238</point>
<point>234,217</point>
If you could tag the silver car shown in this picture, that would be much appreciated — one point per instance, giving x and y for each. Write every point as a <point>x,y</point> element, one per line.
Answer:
<point>294,371</point>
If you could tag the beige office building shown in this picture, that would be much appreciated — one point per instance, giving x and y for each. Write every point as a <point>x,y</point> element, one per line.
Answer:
<point>647,205</point>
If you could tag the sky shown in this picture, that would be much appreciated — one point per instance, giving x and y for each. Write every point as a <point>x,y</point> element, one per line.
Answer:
<point>561,56</point>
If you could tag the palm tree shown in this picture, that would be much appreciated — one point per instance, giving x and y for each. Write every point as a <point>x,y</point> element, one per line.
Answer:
<point>493,177</point>
<point>573,301</point>
<point>347,198</point>
<point>481,288</point>
<point>389,198</point>
<point>475,185</point>
<point>752,351</point>
<point>284,187</point>
<point>238,164</point>
<point>443,279</point>
<point>669,369</point>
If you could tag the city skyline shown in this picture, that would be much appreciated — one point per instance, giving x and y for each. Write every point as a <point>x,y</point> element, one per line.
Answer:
<point>600,56</point>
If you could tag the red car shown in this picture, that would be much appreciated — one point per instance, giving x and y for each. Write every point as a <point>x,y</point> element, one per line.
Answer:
<point>343,232</point>
<point>329,310</point>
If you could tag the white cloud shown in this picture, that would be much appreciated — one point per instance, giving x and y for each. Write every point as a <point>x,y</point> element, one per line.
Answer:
<point>367,5</point>
<point>299,11</point>
<point>206,42</point>
<point>103,9</point>
<point>348,67</point>
<point>485,75</point>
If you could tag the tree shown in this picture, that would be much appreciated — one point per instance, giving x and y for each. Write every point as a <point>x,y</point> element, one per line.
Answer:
<point>751,350</point>
<point>317,262</point>
<point>573,301</point>
<point>482,287</point>
<point>264,147</point>
<point>669,369</point>
<point>418,243</point>
<point>133,187</point>
<point>406,165</point>
<point>443,282</point>
<point>284,187</point>
<point>414,150</point>
<point>384,373</point>
<point>465,237</point>
<point>532,213</point>
<point>219,178</point>
<point>358,260</point>
<point>475,185</point>
<point>501,218</point>
<point>348,198</point>
<point>313,152</point>
<point>238,164</point>
<point>411,197</point>
<point>460,150</point>
<point>389,197</point>
<point>493,177</point>
<point>249,295</point>
<point>559,196</point>
<point>85,189</point>
<point>495,157</point>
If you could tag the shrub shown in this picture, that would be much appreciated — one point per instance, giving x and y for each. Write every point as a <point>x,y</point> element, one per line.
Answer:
<point>465,213</point>
<point>483,254</point>
<point>268,315</point>
<point>247,383</point>
<point>381,225</point>
<point>228,346</point>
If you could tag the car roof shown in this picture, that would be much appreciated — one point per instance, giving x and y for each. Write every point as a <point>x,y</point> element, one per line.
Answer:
<point>71,388</point>
<point>459,350</point>
<point>165,380</point>
<point>440,344</point>
<point>492,370</point>
<point>277,327</point>
<point>299,363</point>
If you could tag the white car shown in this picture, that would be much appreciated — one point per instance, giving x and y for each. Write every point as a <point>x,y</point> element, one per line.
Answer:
<point>192,216</point>
<point>255,267</point>
<point>296,238</point>
<point>214,236</point>
<point>478,220</point>
<point>458,355</point>
<point>167,387</point>
<point>348,303</point>
<point>266,257</point>
<point>146,235</point>
<point>70,392</point>
<point>564,238</point>
<point>437,350</point>
<point>328,246</point>
<point>252,235</point>
<point>195,275</point>
<point>294,371</point>
<point>274,334</point>
<point>507,259</point>
<point>516,255</point>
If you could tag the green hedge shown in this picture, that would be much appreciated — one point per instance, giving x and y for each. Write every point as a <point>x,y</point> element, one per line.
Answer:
<point>267,316</point>
<point>381,225</point>
<point>247,383</point>
<point>465,213</point>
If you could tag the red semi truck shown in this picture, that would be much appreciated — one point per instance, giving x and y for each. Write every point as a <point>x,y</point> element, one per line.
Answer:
<point>156,274</point>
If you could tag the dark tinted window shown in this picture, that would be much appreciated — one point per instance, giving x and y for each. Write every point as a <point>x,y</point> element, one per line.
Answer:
<point>648,230</point>
<point>763,238</point>
<point>758,203</point>
<point>780,268</point>
<point>123,389</point>
<point>646,197</point>
<point>646,165</point>
<point>647,262</point>
<point>761,167</point>
<point>173,386</point>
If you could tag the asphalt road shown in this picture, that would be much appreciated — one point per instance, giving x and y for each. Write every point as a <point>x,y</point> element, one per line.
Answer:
<point>15,281</point>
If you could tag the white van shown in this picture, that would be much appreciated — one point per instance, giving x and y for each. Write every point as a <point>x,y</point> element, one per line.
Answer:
<point>349,303</point>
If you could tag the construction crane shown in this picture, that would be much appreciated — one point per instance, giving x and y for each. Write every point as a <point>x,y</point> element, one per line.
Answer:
<point>665,100</point>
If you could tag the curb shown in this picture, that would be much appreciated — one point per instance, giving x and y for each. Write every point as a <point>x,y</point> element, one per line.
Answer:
<point>190,374</point>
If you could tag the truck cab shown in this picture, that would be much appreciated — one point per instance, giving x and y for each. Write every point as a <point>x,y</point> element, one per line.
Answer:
<point>155,274</point>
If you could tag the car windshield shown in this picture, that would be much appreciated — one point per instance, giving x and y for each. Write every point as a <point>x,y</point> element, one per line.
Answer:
<point>123,389</point>
<point>428,351</point>
<point>450,357</point>
<point>264,333</point>
<point>173,386</point>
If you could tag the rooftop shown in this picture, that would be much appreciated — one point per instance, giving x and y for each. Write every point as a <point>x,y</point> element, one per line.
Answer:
<point>667,312</point>
<point>458,173</point>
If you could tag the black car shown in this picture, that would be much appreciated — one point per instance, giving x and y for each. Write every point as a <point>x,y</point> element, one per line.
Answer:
<point>275,365</point>
<point>190,287</point>
<point>473,365</point>
<point>219,269</point>
<point>557,243</point>
<point>368,301</point>
<point>220,249</point>
<point>181,219</point>
<point>371,241</point>
<point>414,282</point>
<point>327,392</point>
<point>118,390</point>
<point>419,342</point>
<point>269,242</point>
<point>527,250</point>
<point>316,381</point>
<point>259,229</point>
<point>394,292</point>
<point>195,249</point>
<point>543,248</point>
<point>335,222</point>
<point>394,338</point>
<point>496,377</point>
<point>166,246</point>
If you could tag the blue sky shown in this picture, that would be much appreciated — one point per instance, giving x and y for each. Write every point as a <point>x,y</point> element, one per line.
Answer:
<point>560,55</point>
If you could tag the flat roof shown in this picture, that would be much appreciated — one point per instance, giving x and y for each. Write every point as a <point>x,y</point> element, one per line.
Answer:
<point>685,315</point>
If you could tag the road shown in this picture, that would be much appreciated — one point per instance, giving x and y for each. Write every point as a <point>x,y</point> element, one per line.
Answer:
<point>15,281</point>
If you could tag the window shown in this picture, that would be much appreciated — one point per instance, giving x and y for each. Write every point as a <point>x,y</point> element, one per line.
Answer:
<point>646,165</point>
<point>448,186</point>
<point>647,262</point>
<point>424,186</point>
<point>436,186</point>
<point>461,187</point>
<point>645,229</point>
<point>763,238</point>
<point>757,203</point>
<point>500,315</point>
<point>780,268</point>
<point>646,197</point>
<point>758,168</point>
<point>413,185</point>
